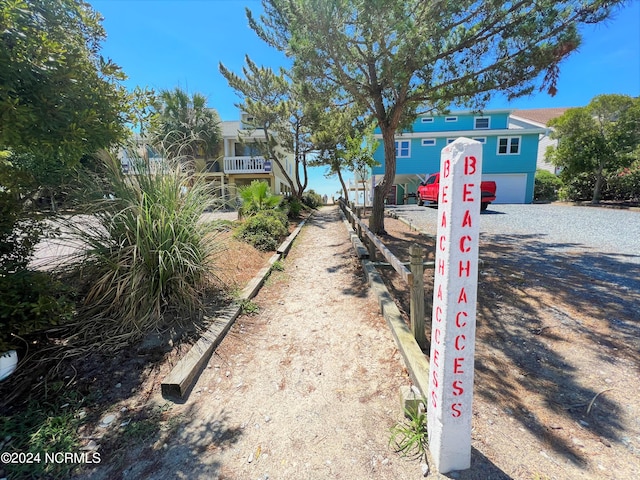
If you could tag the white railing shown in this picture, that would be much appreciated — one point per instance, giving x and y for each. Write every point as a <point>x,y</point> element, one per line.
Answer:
<point>245,165</point>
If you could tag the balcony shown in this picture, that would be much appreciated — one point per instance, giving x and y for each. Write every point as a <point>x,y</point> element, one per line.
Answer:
<point>246,165</point>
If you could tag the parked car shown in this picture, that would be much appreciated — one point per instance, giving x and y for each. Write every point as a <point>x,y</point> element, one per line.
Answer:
<point>428,191</point>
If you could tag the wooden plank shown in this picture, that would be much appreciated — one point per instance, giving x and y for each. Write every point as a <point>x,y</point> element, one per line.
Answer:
<point>184,374</point>
<point>399,267</point>
<point>286,245</point>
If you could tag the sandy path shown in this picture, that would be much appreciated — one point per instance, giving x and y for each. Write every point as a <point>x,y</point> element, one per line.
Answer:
<point>305,389</point>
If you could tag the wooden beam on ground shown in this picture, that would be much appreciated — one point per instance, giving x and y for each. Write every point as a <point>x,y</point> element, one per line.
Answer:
<point>184,374</point>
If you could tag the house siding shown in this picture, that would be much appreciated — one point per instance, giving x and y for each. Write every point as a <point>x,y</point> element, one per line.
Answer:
<point>425,159</point>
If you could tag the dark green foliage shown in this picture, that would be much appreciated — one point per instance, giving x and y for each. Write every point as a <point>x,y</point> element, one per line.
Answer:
<point>546,186</point>
<point>624,185</point>
<point>59,98</point>
<point>578,188</point>
<point>265,229</point>
<point>311,199</point>
<point>45,426</point>
<point>293,206</point>
<point>31,301</point>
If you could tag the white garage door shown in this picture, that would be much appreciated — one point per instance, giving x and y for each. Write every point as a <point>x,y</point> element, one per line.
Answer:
<point>511,187</point>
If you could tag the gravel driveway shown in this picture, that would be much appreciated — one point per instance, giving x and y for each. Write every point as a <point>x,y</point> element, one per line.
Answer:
<point>606,240</point>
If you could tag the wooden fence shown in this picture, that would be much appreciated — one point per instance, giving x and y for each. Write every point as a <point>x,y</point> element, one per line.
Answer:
<point>413,276</point>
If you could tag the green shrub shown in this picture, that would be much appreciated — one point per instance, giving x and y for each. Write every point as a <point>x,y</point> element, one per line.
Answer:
<point>31,301</point>
<point>256,197</point>
<point>546,186</point>
<point>265,229</point>
<point>624,185</point>
<point>578,188</point>
<point>148,258</point>
<point>292,206</point>
<point>311,199</point>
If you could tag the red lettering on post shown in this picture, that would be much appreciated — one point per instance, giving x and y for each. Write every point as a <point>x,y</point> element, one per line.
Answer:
<point>466,221</point>
<point>469,165</point>
<point>438,314</point>
<point>444,193</point>
<point>434,377</point>
<point>464,268</point>
<point>446,168</point>
<point>443,220</point>
<point>466,192</point>
<point>457,388</point>
<point>441,267</point>
<point>457,365</point>
<point>459,342</point>
<point>458,324</point>
<point>436,334</point>
<point>462,298</point>
<point>434,399</point>
<point>463,247</point>
<point>441,241</point>
<point>455,409</point>
<point>436,354</point>
<point>440,292</point>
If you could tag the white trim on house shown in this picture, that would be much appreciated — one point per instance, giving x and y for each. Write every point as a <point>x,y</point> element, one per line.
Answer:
<point>466,133</point>
<point>399,147</point>
<point>509,145</point>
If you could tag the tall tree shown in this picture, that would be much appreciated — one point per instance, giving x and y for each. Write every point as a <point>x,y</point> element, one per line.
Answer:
<point>597,139</point>
<point>277,105</point>
<point>59,99</point>
<point>394,57</point>
<point>184,126</point>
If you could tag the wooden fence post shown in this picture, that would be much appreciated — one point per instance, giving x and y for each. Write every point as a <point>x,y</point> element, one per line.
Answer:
<point>417,295</point>
<point>372,249</point>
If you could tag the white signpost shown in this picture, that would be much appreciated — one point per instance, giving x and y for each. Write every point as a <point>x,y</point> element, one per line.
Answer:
<point>455,287</point>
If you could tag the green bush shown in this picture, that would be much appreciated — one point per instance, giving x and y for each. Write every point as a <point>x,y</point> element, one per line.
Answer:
<point>265,229</point>
<point>292,206</point>
<point>148,258</point>
<point>578,188</point>
<point>546,186</point>
<point>256,197</point>
<point>31,301</point>
<point>624,185</point>
<point>311,199</point>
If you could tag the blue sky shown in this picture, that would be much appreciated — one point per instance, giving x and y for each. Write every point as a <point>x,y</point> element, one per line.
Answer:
<point>167,43</point>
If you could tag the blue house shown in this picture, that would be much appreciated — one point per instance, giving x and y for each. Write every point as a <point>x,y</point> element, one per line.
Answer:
<point>510,152</point>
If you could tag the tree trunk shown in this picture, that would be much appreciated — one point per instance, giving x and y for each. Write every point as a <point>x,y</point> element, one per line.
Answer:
<point>380,192</point>
<point>597,190</point>
<point>345,190</point>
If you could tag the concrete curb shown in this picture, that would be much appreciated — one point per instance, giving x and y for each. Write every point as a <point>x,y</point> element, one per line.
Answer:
<point>184,375</point>
<point>415,360</point>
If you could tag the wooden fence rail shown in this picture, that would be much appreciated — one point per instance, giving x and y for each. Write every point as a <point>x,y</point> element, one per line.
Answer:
<point>414,277</point>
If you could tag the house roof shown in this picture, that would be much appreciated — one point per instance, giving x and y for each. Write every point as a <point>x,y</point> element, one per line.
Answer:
<point>541,116</point>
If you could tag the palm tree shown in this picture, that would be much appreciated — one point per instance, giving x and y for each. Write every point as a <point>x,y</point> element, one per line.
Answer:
<point>185,127</point>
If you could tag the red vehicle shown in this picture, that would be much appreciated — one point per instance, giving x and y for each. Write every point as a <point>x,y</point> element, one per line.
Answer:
<point>428,191</point>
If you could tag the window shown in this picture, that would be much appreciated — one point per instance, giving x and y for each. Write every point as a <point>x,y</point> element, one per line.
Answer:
<point>427,119</point>
<point>508,145</point>
<point>481,123</point>
<point>450,119</point>
<point>428,142</point>
<point>450,140</point>
<point>403,148</point>
<point>482,140</point>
